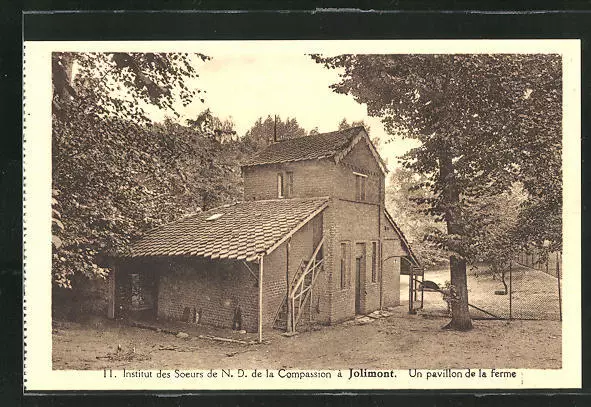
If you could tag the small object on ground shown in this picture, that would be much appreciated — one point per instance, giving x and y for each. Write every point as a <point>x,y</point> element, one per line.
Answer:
<point>182,335</point>
<point>290,334</point>
<point>231,354</point>
<point>363,320</point>
<point>217,338</point>
<point>385,313</point>
<point>167,347</point>
<point>391,308</point>
<point>375,315</point>
<point>242,331</point>
<point>500,292</point>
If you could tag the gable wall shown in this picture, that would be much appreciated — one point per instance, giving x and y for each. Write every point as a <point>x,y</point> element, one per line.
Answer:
<point>359,159</point>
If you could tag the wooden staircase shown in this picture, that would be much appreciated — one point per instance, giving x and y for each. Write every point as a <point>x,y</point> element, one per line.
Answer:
<point>293,305</point>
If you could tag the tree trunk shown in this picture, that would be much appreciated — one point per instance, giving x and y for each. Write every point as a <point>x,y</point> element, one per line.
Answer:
<point>460,314</point>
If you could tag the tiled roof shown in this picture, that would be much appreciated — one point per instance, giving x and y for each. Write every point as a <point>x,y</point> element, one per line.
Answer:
<point>240,231</point>
<point>318,146</point>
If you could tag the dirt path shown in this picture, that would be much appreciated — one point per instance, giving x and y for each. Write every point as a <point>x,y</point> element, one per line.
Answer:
<point>397,342</point>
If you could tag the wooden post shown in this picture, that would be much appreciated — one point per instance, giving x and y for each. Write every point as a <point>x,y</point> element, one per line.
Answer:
<point>288,326</point>
<point>380,271</point>
<point>261,298</point>
<point>112,294</point>
<point>559,290</point>
<point>410,291</point>
<point>510,291</point>
<point>547,259</point>
<point>422,289</point>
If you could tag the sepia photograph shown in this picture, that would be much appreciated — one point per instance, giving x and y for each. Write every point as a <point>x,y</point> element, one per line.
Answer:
<point>306,212</point>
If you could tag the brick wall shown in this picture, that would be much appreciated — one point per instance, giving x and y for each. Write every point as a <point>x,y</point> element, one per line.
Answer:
<point>359,160</point>
<point>355,223</point>
<point>361,156</point>
<point>390,275</point>
<point>392,252</point>
<point>310,179</point>
<point>274,286</point>
<point>215,287</point>
<point>322,292</point>
<point>301,248</point>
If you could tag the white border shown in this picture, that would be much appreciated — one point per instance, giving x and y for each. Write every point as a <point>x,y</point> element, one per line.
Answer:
<point>37,214</point>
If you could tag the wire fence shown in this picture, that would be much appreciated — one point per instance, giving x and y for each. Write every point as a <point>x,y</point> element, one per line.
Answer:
<point>528,288</point>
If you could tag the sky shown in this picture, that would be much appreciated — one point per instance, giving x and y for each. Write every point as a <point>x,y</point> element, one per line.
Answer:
<point>246,87</point>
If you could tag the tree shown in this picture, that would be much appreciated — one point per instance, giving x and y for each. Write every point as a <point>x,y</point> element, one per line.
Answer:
<point>404,199</point>
<point>207,123</point>
<point>263,131</point>
<point>493,222</point>
<point>484,123</point>
<point>122,84</point>
<point>115,173</point>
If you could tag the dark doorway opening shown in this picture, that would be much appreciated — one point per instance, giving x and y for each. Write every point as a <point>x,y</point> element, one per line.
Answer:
<point>136,295</point>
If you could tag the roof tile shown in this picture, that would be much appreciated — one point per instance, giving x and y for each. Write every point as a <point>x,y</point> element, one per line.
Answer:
<point>242,231</point>
<point>317,146</point>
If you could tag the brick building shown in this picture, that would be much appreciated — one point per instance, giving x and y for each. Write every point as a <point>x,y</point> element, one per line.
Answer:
<point>312,242</point>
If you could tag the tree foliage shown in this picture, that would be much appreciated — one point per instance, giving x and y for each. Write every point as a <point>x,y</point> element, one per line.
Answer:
<point>484,122</point>
<point>122,84</point>
<point>115,173</point>
<point>404,200</point>
<point>207,123</point>
<point>262,132</point>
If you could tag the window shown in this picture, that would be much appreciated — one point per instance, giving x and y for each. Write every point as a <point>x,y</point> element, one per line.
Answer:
<point>284,184</point>
<point>280,192</point>
<point>289,184</point>
<point>374,262</point>
<point>360,186</point>
<point>345,264</point>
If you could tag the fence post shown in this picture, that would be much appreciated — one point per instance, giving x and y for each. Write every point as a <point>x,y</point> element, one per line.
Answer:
<point>547,259</point>
<point>410,304</point>
<point>510,291</point>
<point>559,290</point>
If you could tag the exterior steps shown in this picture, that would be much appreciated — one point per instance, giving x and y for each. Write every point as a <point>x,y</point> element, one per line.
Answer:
<point>299,292</point>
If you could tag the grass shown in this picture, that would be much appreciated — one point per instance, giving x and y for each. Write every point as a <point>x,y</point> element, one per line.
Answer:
<point>535,294</point>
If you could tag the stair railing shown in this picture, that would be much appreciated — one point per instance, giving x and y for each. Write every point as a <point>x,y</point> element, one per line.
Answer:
<point>285,297</point>
<point>299,292</point>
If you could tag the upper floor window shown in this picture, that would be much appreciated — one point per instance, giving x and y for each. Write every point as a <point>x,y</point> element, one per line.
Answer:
<point>288,184</point>
<point>360,180</point>
<point>284,184</point>
<point>280,189</point>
